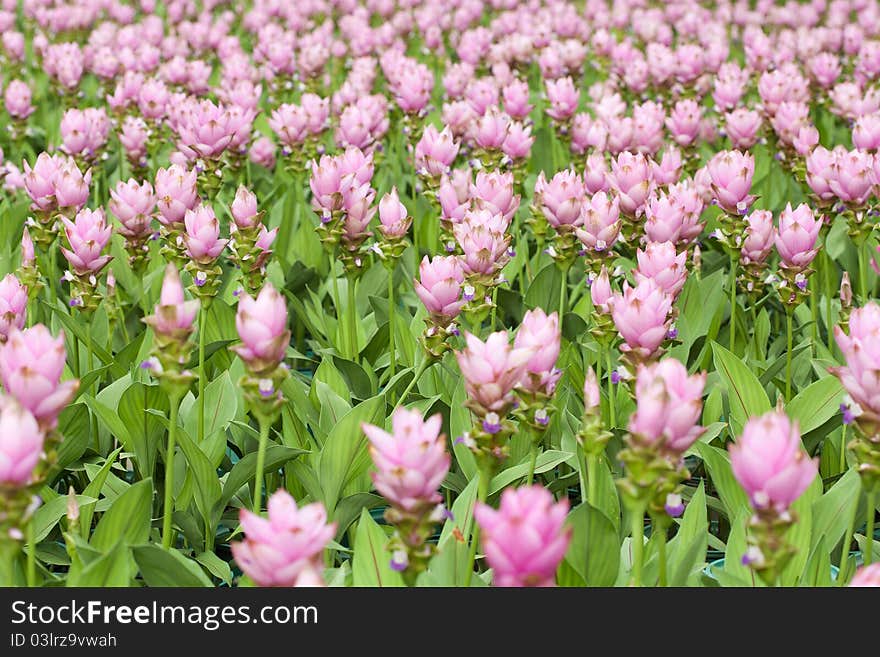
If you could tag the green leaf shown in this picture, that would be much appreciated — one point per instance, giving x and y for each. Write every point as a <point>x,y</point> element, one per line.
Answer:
<point>127,519</point>
<point>216,566</point>
<point>73,424</point>
<point>816,404</point>
<point>346,442</point>
<point>799,535</point>
<point>594,551</point>
<point>110,419</point>
<point>47,516</point>
<point>221,406</point>
<point>462,513</point>
<point>546,461</point>
<point>745,395</point>
<point>145,429</point>
<point>545,288</point>
<point>110,569</point>
<point>207,484</point>
<point>687,551</point>
<point>371,564</point>
<point>736,548</point>
<point>833,511</point>
<point>349,509</point>
<point>167,567</point>
<point>96,485</point>
<point>717,463</point>
<point>243,471</point>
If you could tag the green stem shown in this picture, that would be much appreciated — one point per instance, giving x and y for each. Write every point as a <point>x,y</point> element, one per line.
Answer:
<point>563,293</point>
<point>91,364</point>
<point>351,311</point>
<point>867,557</point>
<point>75,363</point>
<point>341,338</point>
<point>482,494</point>
<point>733,265</point>
<point>599,379</point>
<point>391,324</point>
<point>592,479</point>
<point>261,463</point>
<point>31,555</point>
<point>789,313</point>
<point>661,555</point>
<point>419,371</point>
<point>612,411</point>
<point>844,549</point>
<point>843,465</point>
<point>814,313</point>
<point>533,460</point>
<point>637,542</point>
<point>168,507</point>
<point>829,295</point>
<point>864,254</point>
<point>202,313</point>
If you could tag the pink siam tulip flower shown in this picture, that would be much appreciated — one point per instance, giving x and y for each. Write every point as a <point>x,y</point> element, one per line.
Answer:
<point>731,174</point>
<point>133,204</point>
<point>640,314</point>
<point>631,179</point>
<point>525,539</point>
<point>563,97</point>
<point>668,170</point>
<point>152,99</point>
<point>600,224</point>
<point>411,461</point>
<point>454,196</point>
<point>482,94</point>
<point>540,333</point>
<point>806,140</point>
<point>13,305</point>
<point>493,191</point>
<point>769,462</point>
<point>84,132</point>
<point>439,287</point>
<point>173,316</point>
<point>601,293</point>
<point>176,193</point>
<point>742,126</point>
<point>31,365</point>
<point>202,237</point>
<point>21,444</point>
<point>516,99</point>
<point>668,406</point>
<point>356,162</point>
<point>853,179</point>
<point>759,237</point>
<point>244,209</point>
<point>285,548</point>
<point>490,130</point>
<point>518,142</point>
<point>684,122</point>
<point>821,170</point>
<point>596,174</point>
<point>394,220</point>
<point>795,238</point>
<point>134,136</point>
<point>325,185</point>
<point>88,234</point>
<point>317,111</point>
<point>866,576</point>
<point>262,153</point>
<point>483,248</point>
<point>290,123</point>
<point>17,100</point>
<point>491,370</point>
<point>205,130</point>
<point>262,327</point>
<point>71,186</point>
<point>660,262</point>
<point>561,198</point>
<point>675,216</point>
<point>861,350</point>
<point>436,151</point>
<point>866,132</point>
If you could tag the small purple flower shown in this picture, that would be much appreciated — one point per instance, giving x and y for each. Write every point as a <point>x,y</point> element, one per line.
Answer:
<point>615,377</point>
<point>672,333</point>
<point>399,561</point>
<point>542,417</point>
<point>848,416</point>
<point>674,505</point>
<point>492,423</point>
<point>469,292</point>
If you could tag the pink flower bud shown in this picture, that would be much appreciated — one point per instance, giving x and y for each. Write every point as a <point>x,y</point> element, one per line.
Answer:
<point>866,132</point>
<point>731,174</point>
<point>27,249</point>
<point>668,170</point>
<point>439,287</point>
<point>540,333</point>
<point>596,174</point>
<point>600,292</point>
<point>31,365</point>
<point>21,444</point>
<point>561,199</point>
<point>490,130</point>
<point>861,350</point>
<point>133,204</point>
<point>262,153</point>
<point>796,236</point>
<point>176,193</point>
<point>454,198</point>
<point>393,218</point>
<point>684,121</point>
<point>631,179</point>
<point>436,151</point>
<point>484,249</point>
<point>668,406</point>
<point>742,126</point>
<point>245,212</point>
<point>769,461</point>
<point>805,140</point>
<point>262,327</point>
<point>660,262</point>
<point>853,178</point>
<point>17,100</point>
<point>525,539</point>
<point>493,191</point>
<point>563,97</point>
<point>173,316</point>
<point>88,234</point>
<point>759,237</point>
<point>821,171</point>
<point>411,461</point>
<point>518,142</point>
<point>516,99</point>
<point>290,123</point>
<point>491,370</point>
<point>285,548</point>
<point>592,394</point>
<point>202,237</point>
<point>640,315</point>
<point>13,305</point>
<point>866,576</point>
<point>600,225</point>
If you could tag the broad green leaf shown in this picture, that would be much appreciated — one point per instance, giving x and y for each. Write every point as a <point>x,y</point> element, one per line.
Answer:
<point>745,395</point>
<point>462,513</point>
<point>244,471</point>
<point>221,406</point>
<point>349,509</point>
<point>833,511</point>
<point>799,535</point>
<point>816,404</point>
<point>207,484</point>
<point>96,485</point>
<point>545,288</point>
<point>128,519</point>
<point>594,551</point>
<point>717,463</point>
<point>371,564</point>
<point>146,430</point>
<point>687,551</point>
<point>113,569</point>
<point>216,566</point>
<point>47,516</point>
<point>546,461</point>
<point>73,424</point>
<point>161,566</point>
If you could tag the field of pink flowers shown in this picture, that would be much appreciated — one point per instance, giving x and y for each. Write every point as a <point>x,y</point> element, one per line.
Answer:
<point>462,293</point>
